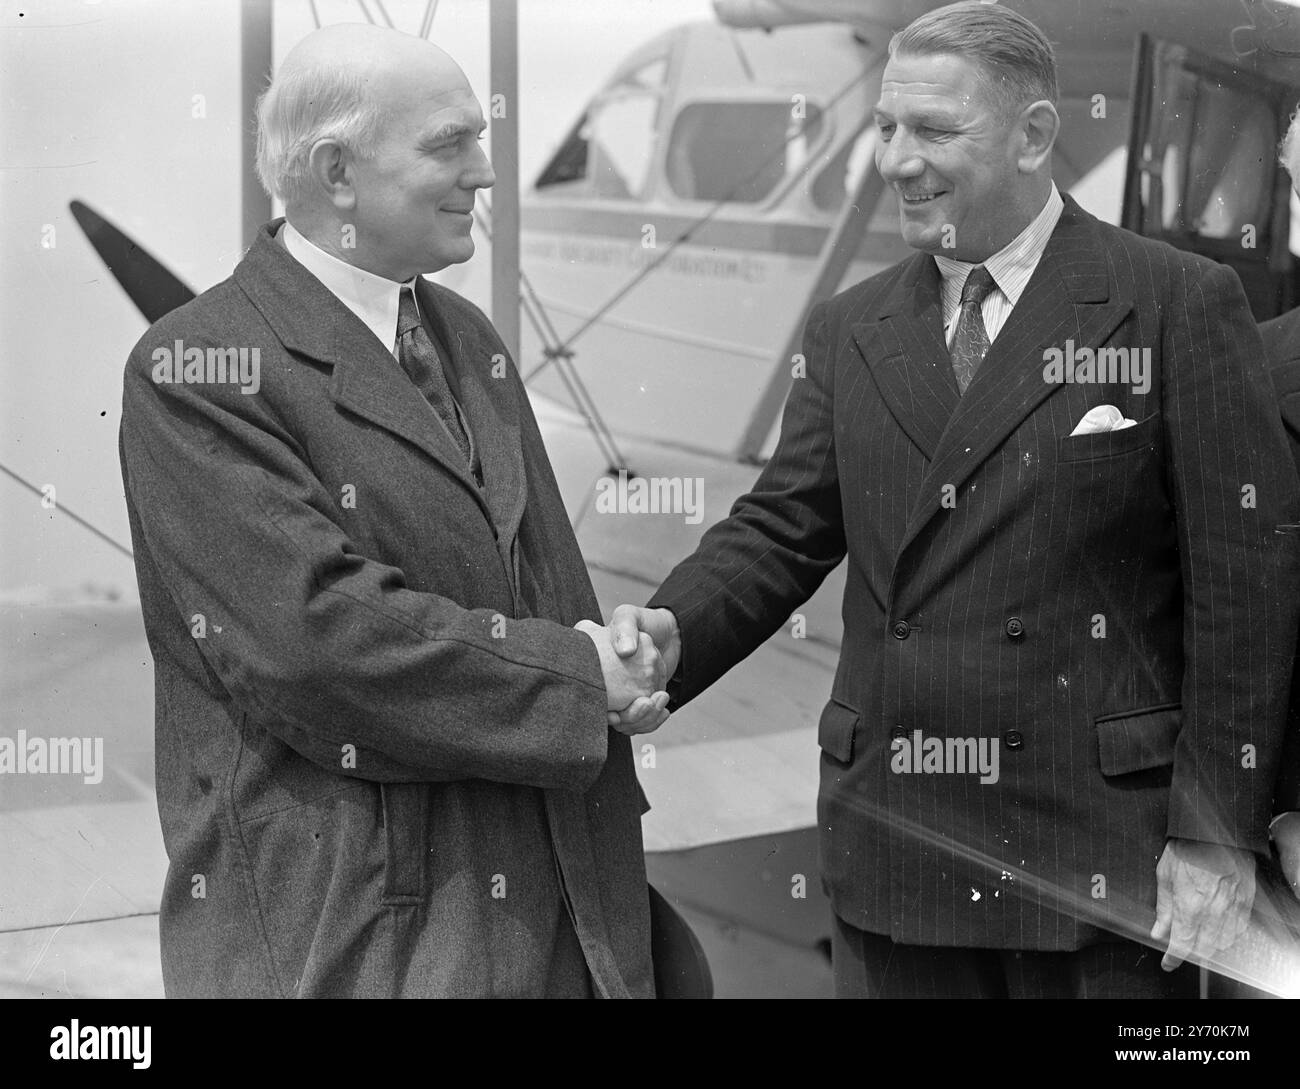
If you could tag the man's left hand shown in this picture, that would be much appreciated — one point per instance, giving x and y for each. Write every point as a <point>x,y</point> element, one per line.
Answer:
<point>1286,838</point>
<point>1204,893</point>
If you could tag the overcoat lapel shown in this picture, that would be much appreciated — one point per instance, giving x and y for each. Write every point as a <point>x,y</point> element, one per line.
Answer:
<point>490,400</point>
<point>368,381</point>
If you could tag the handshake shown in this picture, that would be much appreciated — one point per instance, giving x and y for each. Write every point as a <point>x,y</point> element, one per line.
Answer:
<point>639,652</point>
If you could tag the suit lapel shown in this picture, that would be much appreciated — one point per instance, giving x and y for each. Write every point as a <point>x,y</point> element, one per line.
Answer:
<point>490,403</point>
<point>908,358</point>
<point>367,380</point>
<point>1068,297</point>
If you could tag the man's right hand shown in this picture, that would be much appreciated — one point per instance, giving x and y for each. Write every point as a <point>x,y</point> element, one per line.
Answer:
<point>637,676</point>
<point>628,626</point>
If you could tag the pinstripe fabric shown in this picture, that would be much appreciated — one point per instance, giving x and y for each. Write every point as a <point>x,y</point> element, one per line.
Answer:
<point>959,516</point>
<point>873,966</point>
<point>1282,350</point>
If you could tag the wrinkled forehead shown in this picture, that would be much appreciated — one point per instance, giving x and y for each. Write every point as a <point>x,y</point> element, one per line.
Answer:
<point>417,105</point>
<point>935,82</point>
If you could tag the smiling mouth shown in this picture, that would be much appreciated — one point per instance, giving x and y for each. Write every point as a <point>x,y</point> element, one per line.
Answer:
<point>919,198</point>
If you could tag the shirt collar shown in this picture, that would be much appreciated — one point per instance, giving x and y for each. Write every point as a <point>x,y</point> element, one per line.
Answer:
<point>1013,265</point>
<point>371,298</point>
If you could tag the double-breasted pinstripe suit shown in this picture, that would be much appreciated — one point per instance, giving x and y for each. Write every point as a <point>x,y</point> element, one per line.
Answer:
<point>1116,612</point>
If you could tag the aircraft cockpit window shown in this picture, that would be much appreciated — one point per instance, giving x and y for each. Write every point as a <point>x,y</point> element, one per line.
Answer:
<point>1217,165</point>
<point>739,152</point>
<point>621,139</point>
<point>1201,171</point>
<point>610,152</point>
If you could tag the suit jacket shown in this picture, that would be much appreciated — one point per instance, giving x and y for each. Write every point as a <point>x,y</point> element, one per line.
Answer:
<point>383,766</point>
<point>1114,612</point>
<point>1282,350</point>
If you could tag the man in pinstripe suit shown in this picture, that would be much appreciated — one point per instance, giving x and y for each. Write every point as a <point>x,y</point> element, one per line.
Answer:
<point>1042,443</point>
<point>1282,347</point>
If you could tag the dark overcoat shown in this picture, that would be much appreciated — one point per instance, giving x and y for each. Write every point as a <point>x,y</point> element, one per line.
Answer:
<point>383,766</point>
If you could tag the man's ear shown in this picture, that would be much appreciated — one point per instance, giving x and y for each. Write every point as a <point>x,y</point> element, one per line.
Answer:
<point>1038,125</point>
<point>331,169</point>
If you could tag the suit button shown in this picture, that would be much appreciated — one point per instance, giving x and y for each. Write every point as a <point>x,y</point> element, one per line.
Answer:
<point>1014,739</point>
<point>898,734</point>
<point>902,629</point>
<point>1015,627</point>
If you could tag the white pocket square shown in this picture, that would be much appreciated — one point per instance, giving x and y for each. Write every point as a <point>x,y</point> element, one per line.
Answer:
<point>1102,418</point>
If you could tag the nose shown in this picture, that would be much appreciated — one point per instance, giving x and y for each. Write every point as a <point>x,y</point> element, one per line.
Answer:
<point>479,174</point>
<point>897,159</point>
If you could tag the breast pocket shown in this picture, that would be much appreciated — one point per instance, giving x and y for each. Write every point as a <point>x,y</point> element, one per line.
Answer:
<point>1143,435</point>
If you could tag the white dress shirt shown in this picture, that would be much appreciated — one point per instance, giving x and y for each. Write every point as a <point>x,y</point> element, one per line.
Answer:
<point>371,298</point>
<point>1011,267</point>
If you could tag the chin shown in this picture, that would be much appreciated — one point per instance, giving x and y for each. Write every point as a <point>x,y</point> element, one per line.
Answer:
<point>923,239</point>
<point>449,255</point>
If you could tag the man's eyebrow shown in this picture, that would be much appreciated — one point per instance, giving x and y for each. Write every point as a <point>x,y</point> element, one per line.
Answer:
<point>453,129</point>
<point>920,119</point>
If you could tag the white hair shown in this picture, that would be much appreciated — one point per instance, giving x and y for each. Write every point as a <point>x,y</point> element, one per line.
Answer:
<point>1289,152</point>
<point>302,106</point>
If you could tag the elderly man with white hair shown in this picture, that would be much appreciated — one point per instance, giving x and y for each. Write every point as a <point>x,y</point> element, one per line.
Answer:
<point>383,761</point>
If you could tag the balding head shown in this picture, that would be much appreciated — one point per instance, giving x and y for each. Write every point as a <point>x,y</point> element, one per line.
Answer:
<point>363,128</point>
<point>336,84</point>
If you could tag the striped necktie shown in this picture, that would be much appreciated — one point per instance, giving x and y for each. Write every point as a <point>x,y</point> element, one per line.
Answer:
<point>419,359</point>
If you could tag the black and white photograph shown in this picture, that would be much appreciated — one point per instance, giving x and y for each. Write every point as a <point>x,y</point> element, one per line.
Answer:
<point>701,499</point>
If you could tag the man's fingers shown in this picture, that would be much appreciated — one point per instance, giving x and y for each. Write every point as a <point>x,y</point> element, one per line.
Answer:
<point>1172,958</point>
<point>624,626</point>
<point>642,715</point>
<point>1203,922</point>
<point>635,711</point>
<point>641,709</point>
<point>650,653</point>
<point>1182,942</point>
<point>1164,905</point>
<point>643,727</point>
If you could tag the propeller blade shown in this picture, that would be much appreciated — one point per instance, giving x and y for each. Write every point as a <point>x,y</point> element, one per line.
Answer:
<point>149,284</point>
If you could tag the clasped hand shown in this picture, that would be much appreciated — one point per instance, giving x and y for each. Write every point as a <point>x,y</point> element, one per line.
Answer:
<point>638,652</point>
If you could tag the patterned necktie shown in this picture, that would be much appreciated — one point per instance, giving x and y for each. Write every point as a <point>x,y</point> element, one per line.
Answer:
<point>419,359</point>
<point>970,343</point>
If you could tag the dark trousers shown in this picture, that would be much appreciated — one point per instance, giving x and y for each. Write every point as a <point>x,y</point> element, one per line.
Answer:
<point>870,965</point>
